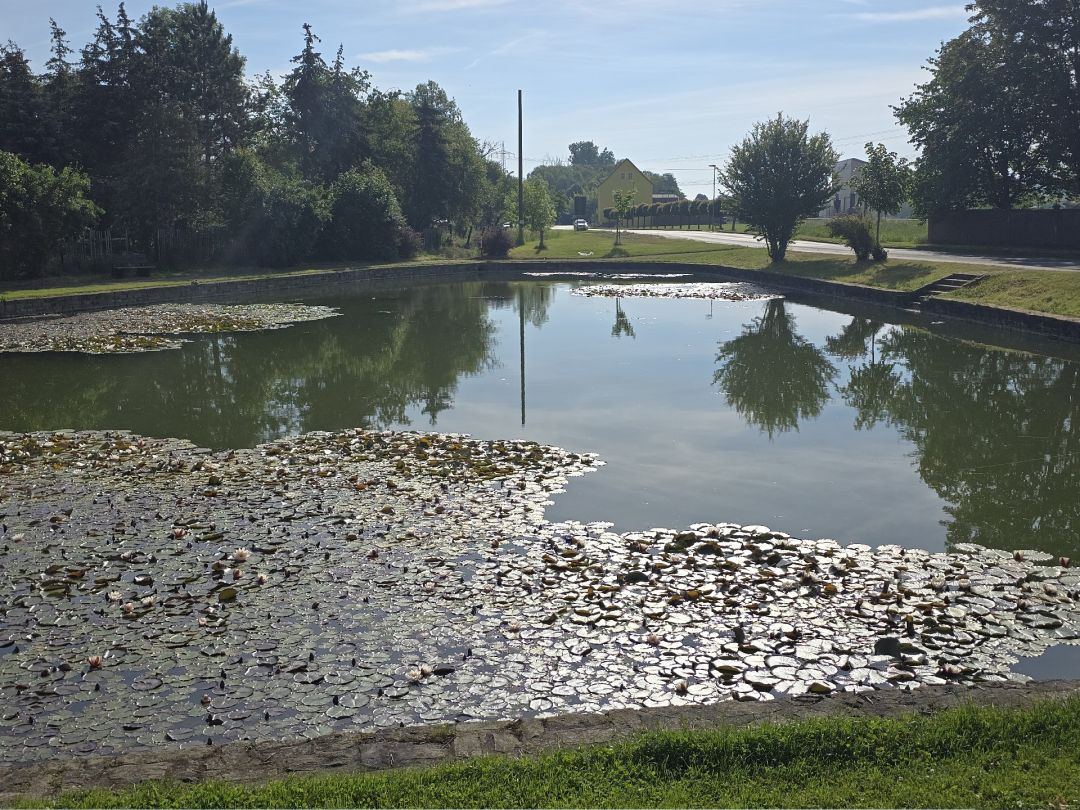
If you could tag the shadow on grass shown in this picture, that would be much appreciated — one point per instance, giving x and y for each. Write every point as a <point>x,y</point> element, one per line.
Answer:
<point>616,253</point>
<point>891,275</point>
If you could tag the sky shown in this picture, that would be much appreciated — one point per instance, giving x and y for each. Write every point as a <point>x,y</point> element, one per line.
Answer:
<point>671,85</point>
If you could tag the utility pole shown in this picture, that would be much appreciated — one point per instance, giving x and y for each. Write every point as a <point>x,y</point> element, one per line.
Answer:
<point>521,182</point>
<point>712,202</point>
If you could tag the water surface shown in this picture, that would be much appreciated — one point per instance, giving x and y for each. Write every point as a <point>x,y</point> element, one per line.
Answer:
<point>813,421</point>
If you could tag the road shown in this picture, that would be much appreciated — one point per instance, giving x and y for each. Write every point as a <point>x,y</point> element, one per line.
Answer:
<point>803,246</point>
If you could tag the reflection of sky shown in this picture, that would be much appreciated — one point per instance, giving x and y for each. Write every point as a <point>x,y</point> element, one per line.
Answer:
<point>675,452</point>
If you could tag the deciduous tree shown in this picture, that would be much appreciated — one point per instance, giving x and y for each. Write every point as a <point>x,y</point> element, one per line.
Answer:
<point>883,183</point>
<point>978,125</point>
<point>778,176</point>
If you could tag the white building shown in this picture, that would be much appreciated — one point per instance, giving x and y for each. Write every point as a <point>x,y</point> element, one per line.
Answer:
<point>846,200</point>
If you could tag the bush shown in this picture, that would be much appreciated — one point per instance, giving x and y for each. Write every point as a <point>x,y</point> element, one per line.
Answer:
<point>879,253</point>
<point>496,242</point>
<point>365,218</point>
<point>855,231</point>
<point>409,242</point>
<point>39,207</point>
<point>275,219</point>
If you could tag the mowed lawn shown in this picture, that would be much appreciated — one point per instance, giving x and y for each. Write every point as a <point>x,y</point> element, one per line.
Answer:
<point>965,757</point>
<point>903,233</point>
<point>1056,293</point>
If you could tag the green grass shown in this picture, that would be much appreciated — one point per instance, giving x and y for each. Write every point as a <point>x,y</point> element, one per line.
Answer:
<point>895,233</point>
<point>900,233</point>
<point>891,275</point>
<point>966,757</point>
<point>1057,293</point>
<point>81,285</point>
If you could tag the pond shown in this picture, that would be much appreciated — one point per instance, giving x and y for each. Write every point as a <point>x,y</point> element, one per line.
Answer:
<point>321,571</point>
<point>815,421</point>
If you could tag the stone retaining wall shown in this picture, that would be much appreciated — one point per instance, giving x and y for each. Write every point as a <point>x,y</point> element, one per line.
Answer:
<point>1058,327</point>
<point>1067,328</point>
<point>255,763</point>
<point>197,292</point>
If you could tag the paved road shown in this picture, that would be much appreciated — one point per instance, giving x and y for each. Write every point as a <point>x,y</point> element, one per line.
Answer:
<point>802,246</point>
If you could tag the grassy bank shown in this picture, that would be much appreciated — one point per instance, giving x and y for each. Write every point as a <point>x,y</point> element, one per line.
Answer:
<point>891,275</point>
<point>900,233</point>
<point>969,757</point>
<point>1033,290</point>
<point>81,285</point>
<point>1038,291</point>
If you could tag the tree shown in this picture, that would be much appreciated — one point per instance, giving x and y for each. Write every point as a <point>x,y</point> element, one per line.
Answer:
<point>23,128</point>
<point>778,176</point>
<point>978,125</point>
<point>539,210</point>
<point>188,60</point>
<point>447,177</point>
<point>587,153</point>
<point>59,88</point>
<point>105,106</point>
<point>623,199</point>
<point>365,219</point>
<point>664,183</point>
<point>1045,36</point>
<point>324,112</point>
<point>39,207</point>
<point>883,183</point>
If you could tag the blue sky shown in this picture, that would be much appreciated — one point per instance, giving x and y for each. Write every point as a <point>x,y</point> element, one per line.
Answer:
<point>671,85</point>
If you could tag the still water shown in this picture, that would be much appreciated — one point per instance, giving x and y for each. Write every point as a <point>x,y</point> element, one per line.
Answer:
<point>812,421</point>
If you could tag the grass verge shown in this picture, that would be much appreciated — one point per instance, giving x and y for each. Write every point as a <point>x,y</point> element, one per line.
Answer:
<point>1056,293</point>
<point>900,233</point>
<point>81,285</point>
<point>598,245</point>
<point>965,757</point>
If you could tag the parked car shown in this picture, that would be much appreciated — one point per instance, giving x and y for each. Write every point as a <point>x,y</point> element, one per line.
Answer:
<point>581,225</point>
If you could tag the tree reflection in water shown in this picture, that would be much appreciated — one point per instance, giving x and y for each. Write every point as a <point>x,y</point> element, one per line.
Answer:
<point>996,435</point>
<point>772,376</point>
<point>367,368</point>
<point>622,322</point>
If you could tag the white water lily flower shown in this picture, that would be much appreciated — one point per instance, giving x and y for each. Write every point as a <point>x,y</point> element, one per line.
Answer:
<point>115,596</point>
<point>241,554</point>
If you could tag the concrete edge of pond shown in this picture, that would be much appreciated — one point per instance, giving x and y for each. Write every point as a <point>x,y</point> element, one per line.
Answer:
<point>414,746</point>
<point>1002,317</point>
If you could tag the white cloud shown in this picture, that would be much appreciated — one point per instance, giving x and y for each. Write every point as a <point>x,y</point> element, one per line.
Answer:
<point>453,5</point>
<point>398,55</point>
<point>913,15</point>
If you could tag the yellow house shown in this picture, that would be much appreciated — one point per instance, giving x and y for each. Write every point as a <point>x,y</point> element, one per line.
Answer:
<point>625,175</point>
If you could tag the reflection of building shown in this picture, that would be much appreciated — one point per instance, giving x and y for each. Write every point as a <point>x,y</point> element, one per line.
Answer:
<point>846,200</point>
<point>624,176</point>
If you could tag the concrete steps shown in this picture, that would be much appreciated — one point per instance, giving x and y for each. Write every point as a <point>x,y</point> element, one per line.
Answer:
<point>955,281</point>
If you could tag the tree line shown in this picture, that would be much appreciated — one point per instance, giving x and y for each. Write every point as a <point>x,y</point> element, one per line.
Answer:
<point>153,124</point>
<point>586,168</point>
<point>998,123</point>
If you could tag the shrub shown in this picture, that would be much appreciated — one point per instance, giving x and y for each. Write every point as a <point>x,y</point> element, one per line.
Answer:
<point>497,242</point>
<point>855,231</point>
<point>39,207</point>
<point>879,253</point>
<point>409,242</point>
<point>365,218</point>
<point>275,219</point>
